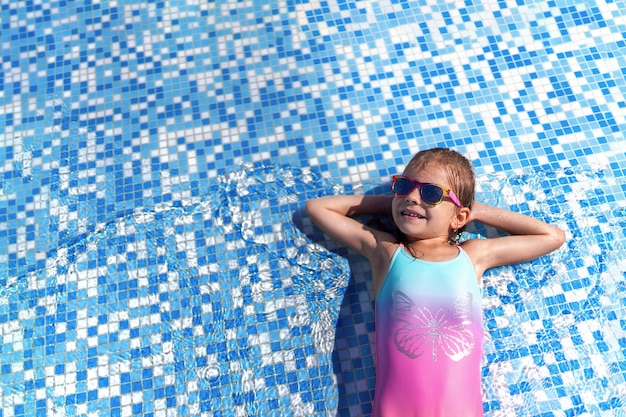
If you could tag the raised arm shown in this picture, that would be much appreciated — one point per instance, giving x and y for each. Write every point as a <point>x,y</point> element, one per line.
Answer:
<point>334,215</point>
<point>528,238</point>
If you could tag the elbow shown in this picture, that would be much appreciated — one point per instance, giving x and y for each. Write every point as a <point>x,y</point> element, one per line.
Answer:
<point>558,236</point>
<point>313,209</point>
<point>309,207</point>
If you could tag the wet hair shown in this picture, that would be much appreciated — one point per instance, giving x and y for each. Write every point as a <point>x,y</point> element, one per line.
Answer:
<point>459,173</point>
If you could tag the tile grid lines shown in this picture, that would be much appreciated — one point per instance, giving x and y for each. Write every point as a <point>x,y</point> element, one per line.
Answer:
<point>125,290</point>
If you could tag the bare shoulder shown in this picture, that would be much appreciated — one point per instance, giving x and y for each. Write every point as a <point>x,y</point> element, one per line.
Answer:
<point>478,251</point>
<point>507,250</point>
<point>380,260</point>
<point>474,246</point>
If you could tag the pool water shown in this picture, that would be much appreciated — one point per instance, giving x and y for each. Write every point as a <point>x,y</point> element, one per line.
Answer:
<point>155,157</point>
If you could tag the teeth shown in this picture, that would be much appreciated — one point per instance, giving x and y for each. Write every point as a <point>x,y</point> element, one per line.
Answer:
<point>406,213</point>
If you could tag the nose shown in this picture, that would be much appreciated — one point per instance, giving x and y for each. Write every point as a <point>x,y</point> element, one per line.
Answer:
<point>414,196</point>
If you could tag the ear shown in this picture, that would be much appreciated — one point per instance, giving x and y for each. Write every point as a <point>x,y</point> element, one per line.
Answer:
<point>461,218</point>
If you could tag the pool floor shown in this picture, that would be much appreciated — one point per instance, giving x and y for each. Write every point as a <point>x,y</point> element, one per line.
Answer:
<point>155,157</point>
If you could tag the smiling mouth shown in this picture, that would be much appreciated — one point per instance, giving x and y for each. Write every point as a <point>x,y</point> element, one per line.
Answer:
<point>412,214</point>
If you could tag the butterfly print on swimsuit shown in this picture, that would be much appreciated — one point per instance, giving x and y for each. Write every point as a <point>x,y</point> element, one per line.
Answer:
<point>447,330</point>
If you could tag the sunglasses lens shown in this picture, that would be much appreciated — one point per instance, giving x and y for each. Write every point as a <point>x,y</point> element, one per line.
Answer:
<point>431,194</point>
<point>402,186</point>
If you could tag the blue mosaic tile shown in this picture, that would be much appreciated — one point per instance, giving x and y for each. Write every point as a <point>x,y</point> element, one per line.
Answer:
<point>154,162</point>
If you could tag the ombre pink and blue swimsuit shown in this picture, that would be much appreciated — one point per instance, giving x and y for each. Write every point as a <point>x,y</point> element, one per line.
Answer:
<point>429,339</point>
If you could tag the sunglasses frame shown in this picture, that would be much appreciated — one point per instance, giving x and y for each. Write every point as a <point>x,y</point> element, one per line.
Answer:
<point>419,185</point>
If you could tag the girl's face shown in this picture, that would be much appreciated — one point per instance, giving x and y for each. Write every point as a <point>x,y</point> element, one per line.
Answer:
<point>418,220</point>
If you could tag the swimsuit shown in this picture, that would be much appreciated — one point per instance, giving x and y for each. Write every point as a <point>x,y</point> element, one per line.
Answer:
<point>429,339</point>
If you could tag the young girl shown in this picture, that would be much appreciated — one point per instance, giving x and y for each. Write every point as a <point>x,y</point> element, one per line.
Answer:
<point>429,334</point>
